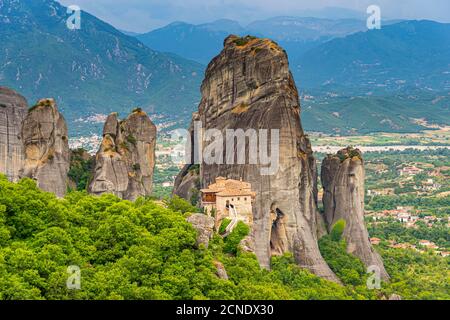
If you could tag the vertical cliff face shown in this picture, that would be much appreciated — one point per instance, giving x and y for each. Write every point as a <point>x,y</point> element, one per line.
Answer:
<point>249,86</point>
<point>13,108</point>
<point>126,158</point>
<point>343,181</point>
<point>140,135</point>
<point>188,182</point>
<point>46,147</point>
<point>111,174</point>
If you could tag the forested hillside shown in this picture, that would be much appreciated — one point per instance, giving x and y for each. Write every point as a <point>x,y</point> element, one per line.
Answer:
<point>146,250</point>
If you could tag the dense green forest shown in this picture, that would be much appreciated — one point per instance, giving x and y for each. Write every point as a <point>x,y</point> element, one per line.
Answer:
<point>147,250</point>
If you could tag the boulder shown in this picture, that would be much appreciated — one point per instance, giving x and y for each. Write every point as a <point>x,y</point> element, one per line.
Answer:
<point>204,226</point>
<point>13,109</point>
<point>221,272</point>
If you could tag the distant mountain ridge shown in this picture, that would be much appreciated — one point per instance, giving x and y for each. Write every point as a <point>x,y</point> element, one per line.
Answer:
<point>196,42</point>
<point>412,54</point>
<point>363,114</point>
<point>204,41</point>
<point>98,69</point>
<point>362,81</point>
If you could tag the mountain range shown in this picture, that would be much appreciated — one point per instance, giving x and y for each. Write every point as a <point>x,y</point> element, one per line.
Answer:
<point>96,69</point>
<point>341,53</point>
<point>361,80</point>
<point>202,42</point>
<point>396,72</point>
<point>412,54</point>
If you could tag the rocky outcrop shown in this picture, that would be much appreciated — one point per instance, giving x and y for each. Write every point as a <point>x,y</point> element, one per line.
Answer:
<point>249,86</point>
<point>46,147</point>
<point>343,182</point>
<point>221,272</point>
<point>110,173</point>
<point>204,226</point>
<point>126,158</point>
<point>13,109</point>
<point>187,183</point>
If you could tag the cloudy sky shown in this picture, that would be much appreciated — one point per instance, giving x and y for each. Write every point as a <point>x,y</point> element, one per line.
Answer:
<point>145,15</point>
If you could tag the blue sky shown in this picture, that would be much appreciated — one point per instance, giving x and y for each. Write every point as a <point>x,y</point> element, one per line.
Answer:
<point>145,15</point>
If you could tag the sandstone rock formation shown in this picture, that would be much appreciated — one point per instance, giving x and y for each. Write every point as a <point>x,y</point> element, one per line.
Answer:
<point>343,181</point>
<point>13,109</point>
<point>187,182</point>
<point>46,147</point>
<point>249,86</point>
<point>204,226</point>
<point>126,158</point>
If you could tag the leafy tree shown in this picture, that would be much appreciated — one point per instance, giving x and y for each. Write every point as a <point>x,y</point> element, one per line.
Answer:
<point>146,250</point>
<point>338,230</point>
<point>224,225</point>
<point>346,266</point>
<point>235,237</point>
<point>178,204</point>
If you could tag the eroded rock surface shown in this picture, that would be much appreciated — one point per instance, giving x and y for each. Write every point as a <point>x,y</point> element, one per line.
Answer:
<point>343,177</point>
<point>249,86</point>
<point>204,226</point>
<point>126,159</point>
<point>46,147</point>
<point>13,109</point>
<point>187,183</point>
<point>221,272</point>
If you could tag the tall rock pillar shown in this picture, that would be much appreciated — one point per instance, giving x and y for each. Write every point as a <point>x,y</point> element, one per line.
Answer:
<point>46,147</point>
<point>126,158</point>
<point>249,86</point>
<point>343,177</point>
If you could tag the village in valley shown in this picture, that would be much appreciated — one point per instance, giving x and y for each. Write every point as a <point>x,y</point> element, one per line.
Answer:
<point>408,190</point>
<point>408,200</point>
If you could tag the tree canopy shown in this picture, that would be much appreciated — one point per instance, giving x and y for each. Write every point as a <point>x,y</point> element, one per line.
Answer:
<point>141,250</point>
